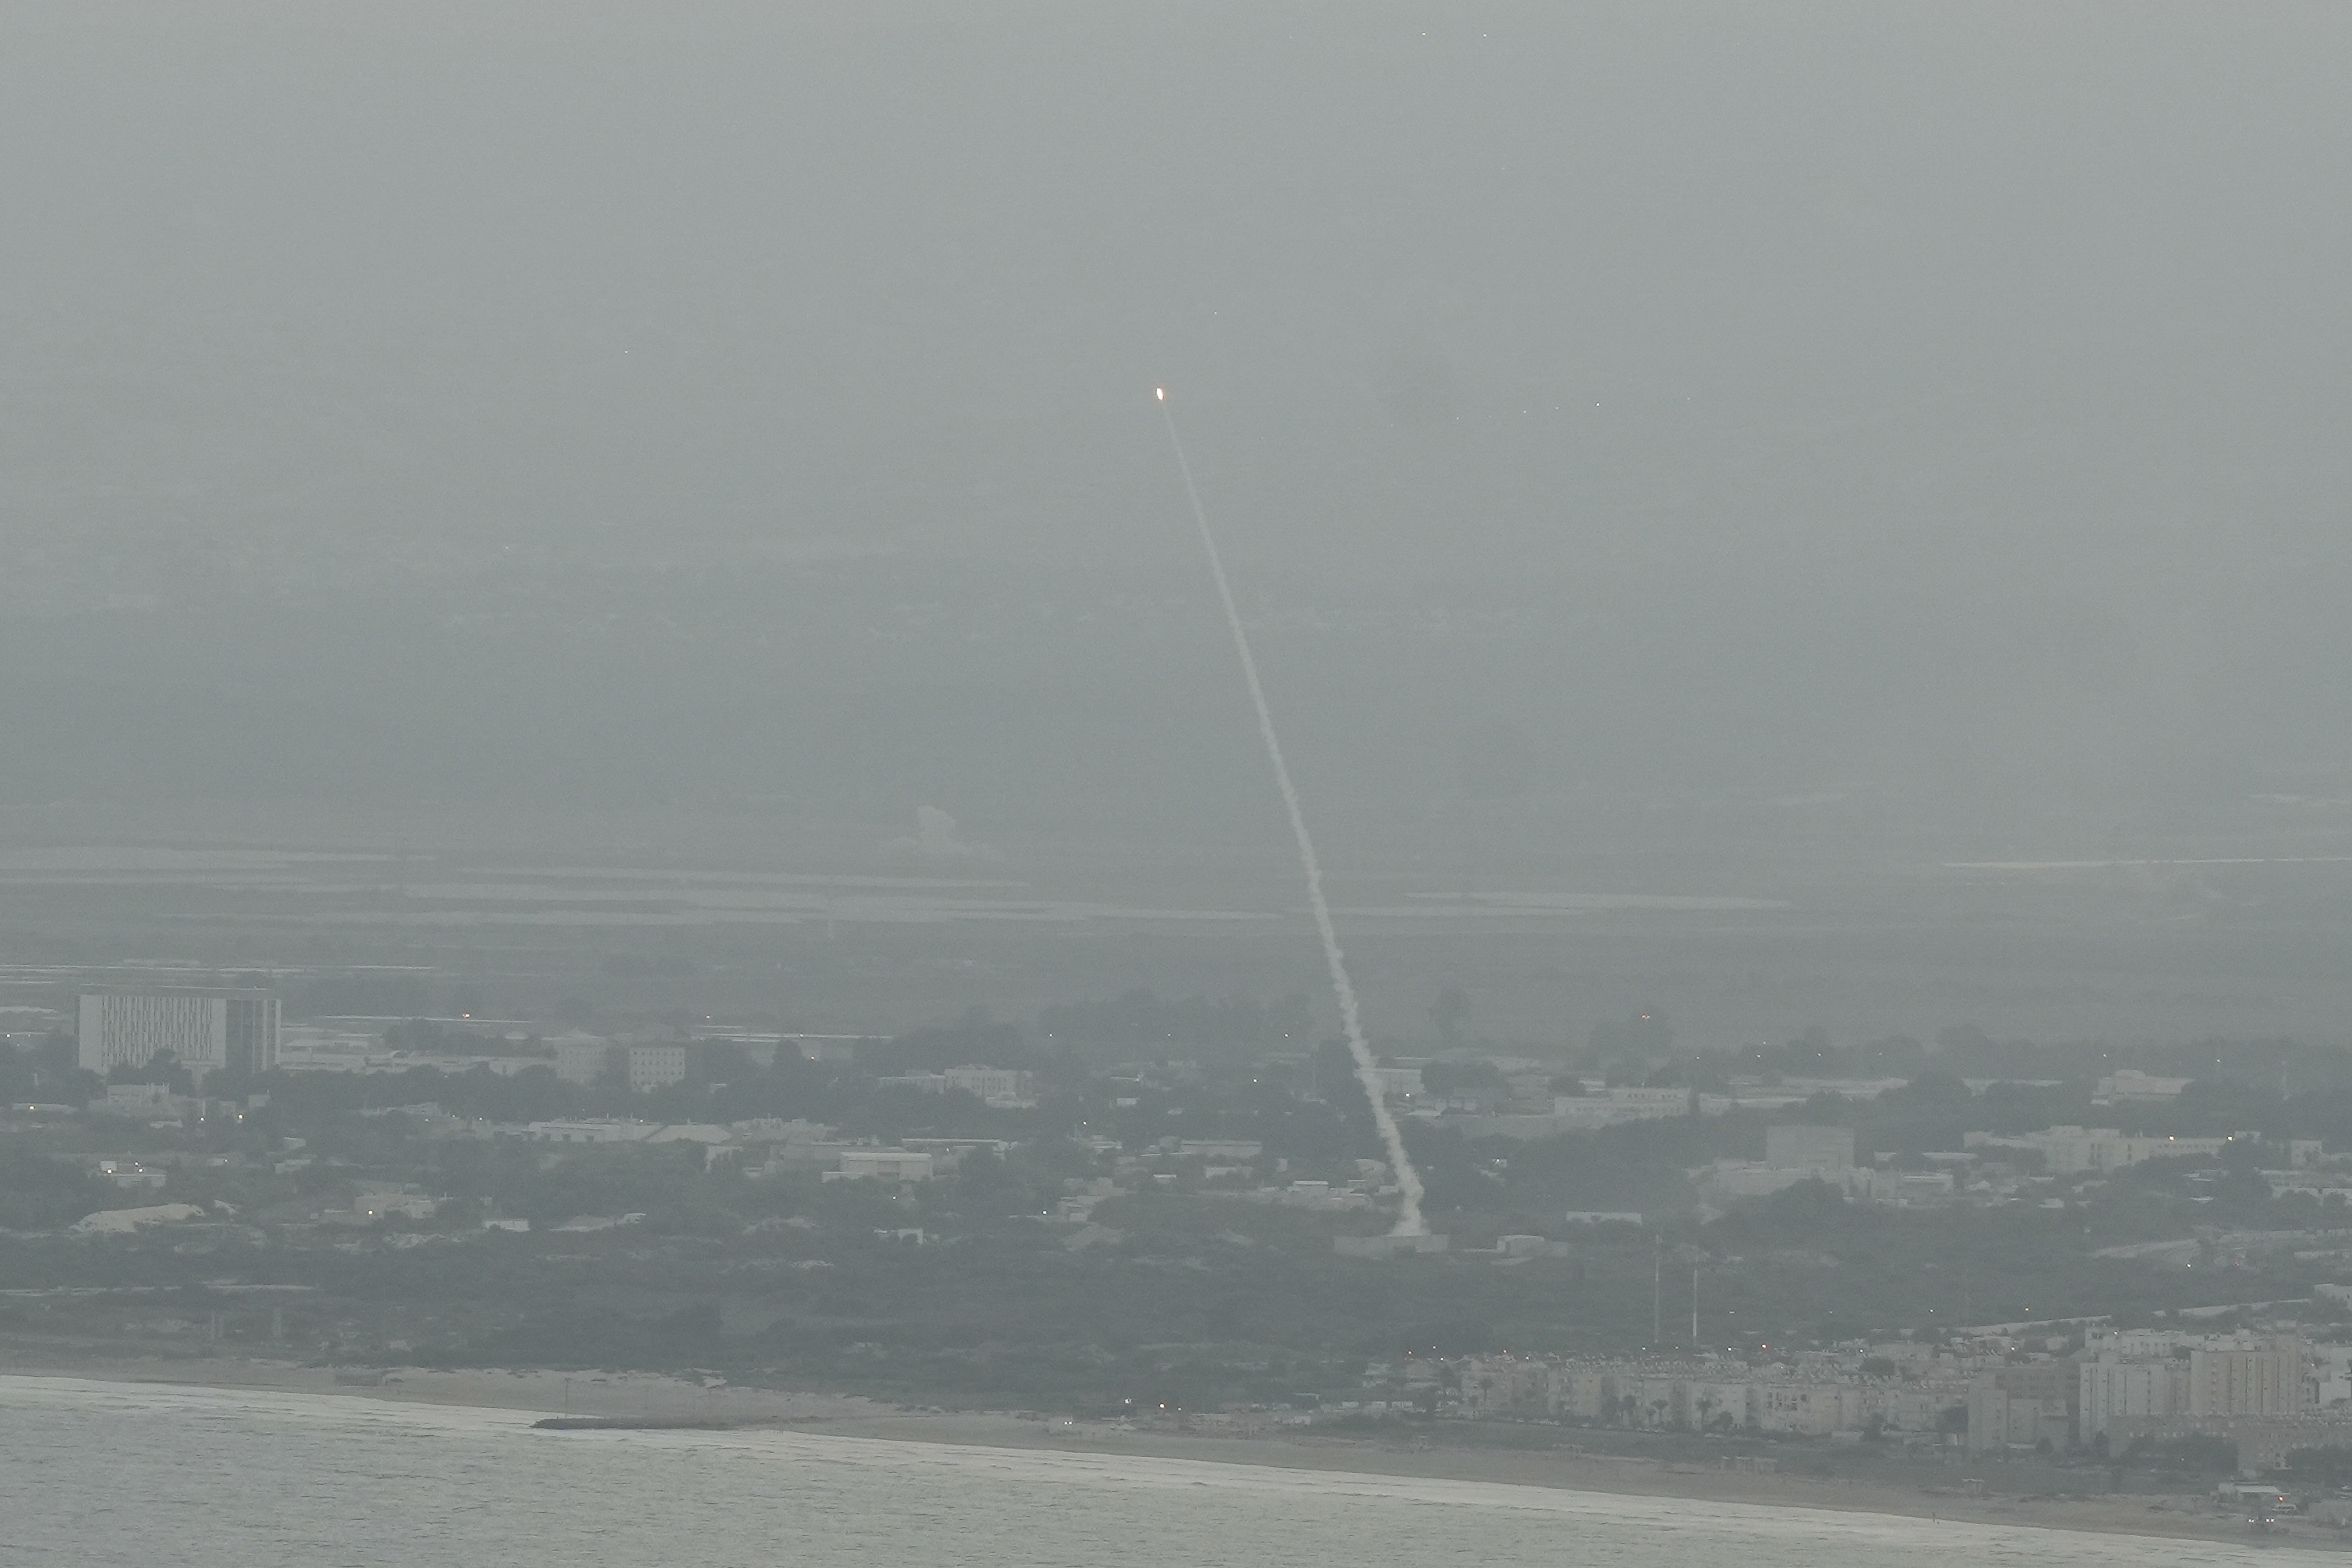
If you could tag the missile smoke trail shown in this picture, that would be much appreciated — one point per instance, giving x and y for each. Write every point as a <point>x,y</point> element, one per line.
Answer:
<point>1409,1220</point>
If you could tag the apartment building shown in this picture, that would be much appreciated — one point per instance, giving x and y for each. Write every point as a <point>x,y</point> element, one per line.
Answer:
<point>203,1030</point>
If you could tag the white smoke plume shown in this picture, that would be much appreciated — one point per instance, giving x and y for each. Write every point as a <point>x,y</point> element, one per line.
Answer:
<point>1409,1220</point>
<point>936,839</point>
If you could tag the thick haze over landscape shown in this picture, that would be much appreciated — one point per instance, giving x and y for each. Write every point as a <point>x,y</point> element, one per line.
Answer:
<point>1274,782</point>
<point>1772,454</point>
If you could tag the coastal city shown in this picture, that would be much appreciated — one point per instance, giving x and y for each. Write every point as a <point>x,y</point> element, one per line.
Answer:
<point>1174,784</point>
<point>1796,1250</point>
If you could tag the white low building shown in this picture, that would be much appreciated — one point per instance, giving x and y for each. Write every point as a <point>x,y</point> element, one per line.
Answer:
<point>599,1131</point>
<point>882,1166</point>
<point>122,1222</point>
<point>1006,1089</point>
<point>779,1130</point>
<point>318,1048</point>
<point>1624,1102</point>
<point>2066,1150</point>
<point>1236,1149</point>
<point>2129,1086</point>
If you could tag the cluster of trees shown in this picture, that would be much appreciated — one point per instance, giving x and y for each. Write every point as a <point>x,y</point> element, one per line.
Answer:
<point>976,1039</point>
<point>48,1072</point>
<point>41,1193</point>
<point>2193,1454</point>
<point>1252,1298</point>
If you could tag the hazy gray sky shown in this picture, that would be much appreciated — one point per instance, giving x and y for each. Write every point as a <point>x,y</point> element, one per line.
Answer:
<point>475,400</point>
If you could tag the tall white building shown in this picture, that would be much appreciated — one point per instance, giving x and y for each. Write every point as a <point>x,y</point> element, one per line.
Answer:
<point>2143,1374</point>
<point>656,1067</point>
<point>582,1059</point>
<point>2253,1377</point>
<point>205,1031</point>
<point>1789,1147</point>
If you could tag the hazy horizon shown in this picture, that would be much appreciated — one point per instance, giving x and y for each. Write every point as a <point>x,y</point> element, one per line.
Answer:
<point>1700,450</point>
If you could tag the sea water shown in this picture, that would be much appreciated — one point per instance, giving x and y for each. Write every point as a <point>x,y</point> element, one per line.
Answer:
<point>98,1474</point>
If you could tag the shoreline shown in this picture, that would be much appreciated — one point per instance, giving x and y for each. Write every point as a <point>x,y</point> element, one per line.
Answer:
<point>653,1401</point>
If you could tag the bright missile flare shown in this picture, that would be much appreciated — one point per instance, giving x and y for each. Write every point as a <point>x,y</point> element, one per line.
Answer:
<point>1162,392</point>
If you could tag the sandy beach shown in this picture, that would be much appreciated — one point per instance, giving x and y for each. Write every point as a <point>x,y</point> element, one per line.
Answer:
<point>656,1397</point>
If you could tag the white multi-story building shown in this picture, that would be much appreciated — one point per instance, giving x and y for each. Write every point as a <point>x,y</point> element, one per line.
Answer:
<point>2023,1406</point>
<point>656,1067</point>
<point>997,1086</point>
<point>1810,1407</point>
<point>1792,1147</point>
<point>582,1059</point>
<point>1708,1404</point>
<point>2329,1384</point>
<point>1919,1408</point>
<point>2112,1387</point>
<point>205,1031</point>
<point>1506,1386</point>
<point>2251,1377</point>
<point>2148,1374</point>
